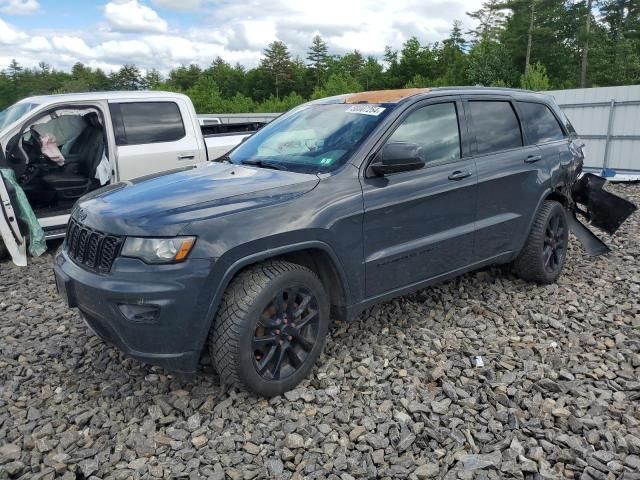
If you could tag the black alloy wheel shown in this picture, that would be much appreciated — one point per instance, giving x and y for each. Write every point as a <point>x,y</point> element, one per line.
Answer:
<point>286,333</point>
<point>555,247</point>
<point>542,258</point>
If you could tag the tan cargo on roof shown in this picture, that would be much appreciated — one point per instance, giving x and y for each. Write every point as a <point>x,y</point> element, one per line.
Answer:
<point>384,96</point>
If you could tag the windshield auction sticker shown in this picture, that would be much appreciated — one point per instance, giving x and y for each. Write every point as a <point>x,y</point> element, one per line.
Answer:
<point>366,110</point>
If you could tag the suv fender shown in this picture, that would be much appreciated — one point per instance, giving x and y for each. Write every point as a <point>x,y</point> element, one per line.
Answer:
<point>548,194</point>
<point>237,265</point>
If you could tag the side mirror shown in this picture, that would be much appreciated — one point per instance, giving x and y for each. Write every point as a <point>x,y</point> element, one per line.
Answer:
<point>398,157</point>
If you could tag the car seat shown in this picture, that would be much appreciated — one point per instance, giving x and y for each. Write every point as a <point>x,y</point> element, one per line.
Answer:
<point>85,155</point>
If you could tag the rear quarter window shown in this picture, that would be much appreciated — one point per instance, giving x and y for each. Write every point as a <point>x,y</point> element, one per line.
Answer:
<point>540,123</point>
<point>496,125</point>
<point>139,123</point>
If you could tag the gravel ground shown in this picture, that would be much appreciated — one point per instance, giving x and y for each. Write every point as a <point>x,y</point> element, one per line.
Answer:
<point>397,393</point>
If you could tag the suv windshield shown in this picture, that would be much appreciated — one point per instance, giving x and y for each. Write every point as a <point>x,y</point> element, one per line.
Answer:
<point>313,138</point>
<point>14,112</point>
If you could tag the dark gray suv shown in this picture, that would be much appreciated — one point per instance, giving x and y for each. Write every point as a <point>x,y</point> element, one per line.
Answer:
<point>336,205</point>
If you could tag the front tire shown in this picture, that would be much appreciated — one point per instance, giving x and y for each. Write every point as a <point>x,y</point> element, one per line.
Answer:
<point>543,256</point>
<point>270,327</point>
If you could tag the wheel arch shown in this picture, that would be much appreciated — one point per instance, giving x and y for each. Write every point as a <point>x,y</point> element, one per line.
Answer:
<point>315,255</point>
<point>555,194</point>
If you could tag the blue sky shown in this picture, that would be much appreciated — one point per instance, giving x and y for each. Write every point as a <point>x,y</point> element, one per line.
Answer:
<point>166,33</point>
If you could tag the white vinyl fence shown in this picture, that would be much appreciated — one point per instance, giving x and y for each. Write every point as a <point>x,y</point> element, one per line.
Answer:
<point>608,120</point>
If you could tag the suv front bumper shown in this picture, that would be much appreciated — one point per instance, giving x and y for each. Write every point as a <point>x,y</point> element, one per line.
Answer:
<point>178,297</point>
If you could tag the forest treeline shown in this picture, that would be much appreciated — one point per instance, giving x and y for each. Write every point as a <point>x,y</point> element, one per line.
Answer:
<point>535,44</point>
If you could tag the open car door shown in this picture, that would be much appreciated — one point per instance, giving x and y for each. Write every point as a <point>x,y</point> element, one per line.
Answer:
<point>12,238</point>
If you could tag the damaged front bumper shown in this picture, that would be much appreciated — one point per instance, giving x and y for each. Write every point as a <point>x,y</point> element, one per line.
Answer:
<point>600,208</point>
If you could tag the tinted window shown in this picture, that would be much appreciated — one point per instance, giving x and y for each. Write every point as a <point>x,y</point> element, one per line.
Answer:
<point>542,126</point>
<point>435,129</point>
<point>496,126</point>
<point>148,122</point>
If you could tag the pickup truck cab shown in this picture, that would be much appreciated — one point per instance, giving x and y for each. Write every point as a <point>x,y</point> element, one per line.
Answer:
<point>334,206</point>
<point>64,146</point>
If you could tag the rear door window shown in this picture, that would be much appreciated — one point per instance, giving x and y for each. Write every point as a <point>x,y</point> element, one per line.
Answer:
<point>138,123</point>
<point>496,125</point>
<point>435,129</point>
<point>541,124</point>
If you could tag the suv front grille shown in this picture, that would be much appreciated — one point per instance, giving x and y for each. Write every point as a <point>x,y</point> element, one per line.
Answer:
<point>92,249</point>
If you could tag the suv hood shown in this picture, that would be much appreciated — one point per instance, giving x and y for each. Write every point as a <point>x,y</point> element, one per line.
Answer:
<point>162,205</point>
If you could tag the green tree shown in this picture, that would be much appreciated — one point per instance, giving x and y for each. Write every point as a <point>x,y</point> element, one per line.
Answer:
<point>490,19</point>
<point>536,78</point>
<point>451,58</point>
<point>352,64</point>
<point>277,61</point>
<point>128,77</point>
<point>230,80</point>
<point>414,59</point>
<point>275,104</point>
<point>152,79</point>
<point>392,75</point>
<point>337,84</point>
<point>183,77</point>
<point>418,81</point>
<point>486,65</point>
<point>14,71</point>
<point>371,75</point>
<point>205,96</point>
<point>318,57</point>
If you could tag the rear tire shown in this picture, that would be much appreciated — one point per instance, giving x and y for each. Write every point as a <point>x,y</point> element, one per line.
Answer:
<point>543,256</point>
<point>270,327</point>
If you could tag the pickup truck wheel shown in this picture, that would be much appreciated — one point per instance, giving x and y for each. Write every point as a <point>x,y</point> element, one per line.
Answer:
<point>543,256</point>
<point>270,327</point>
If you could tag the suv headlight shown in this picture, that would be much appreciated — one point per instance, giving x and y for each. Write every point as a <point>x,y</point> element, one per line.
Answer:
<point>158,250</point>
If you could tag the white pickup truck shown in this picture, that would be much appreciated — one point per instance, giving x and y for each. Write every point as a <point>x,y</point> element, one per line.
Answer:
<point>61,147</point>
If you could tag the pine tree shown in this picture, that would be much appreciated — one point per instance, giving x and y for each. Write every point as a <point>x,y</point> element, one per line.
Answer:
<point>14,70</point>
<point>277,61</point>
<point>152,78</point>
<point>318,56</point>
<point>352,63</point>
<point>490,18</point>
<point>127,78</point>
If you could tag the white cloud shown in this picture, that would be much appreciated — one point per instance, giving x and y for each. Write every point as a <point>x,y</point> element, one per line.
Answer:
<point>185,5</point>
<point>10,35</point>
<point>346,25</point>
<point>136,50</point>
<point>19,7</point>
<point>131,16</point>
<point>72,45</point>
<point>237,31</point>
<point>37,45</point>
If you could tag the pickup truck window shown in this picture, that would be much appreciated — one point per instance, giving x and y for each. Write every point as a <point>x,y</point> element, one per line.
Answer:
<point>312,138</point>
<point>15,112</point>
<point>496,125</point>
<point>435,129</point>
<point>138,123</point>
<point>541,125</point>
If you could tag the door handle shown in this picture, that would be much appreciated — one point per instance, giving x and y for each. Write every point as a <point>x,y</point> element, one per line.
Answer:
<point>533,158</point>
<point>186,156</point>
<point>459,175</point>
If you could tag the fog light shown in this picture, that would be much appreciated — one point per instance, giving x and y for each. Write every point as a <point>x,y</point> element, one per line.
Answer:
<point>140,313</point>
